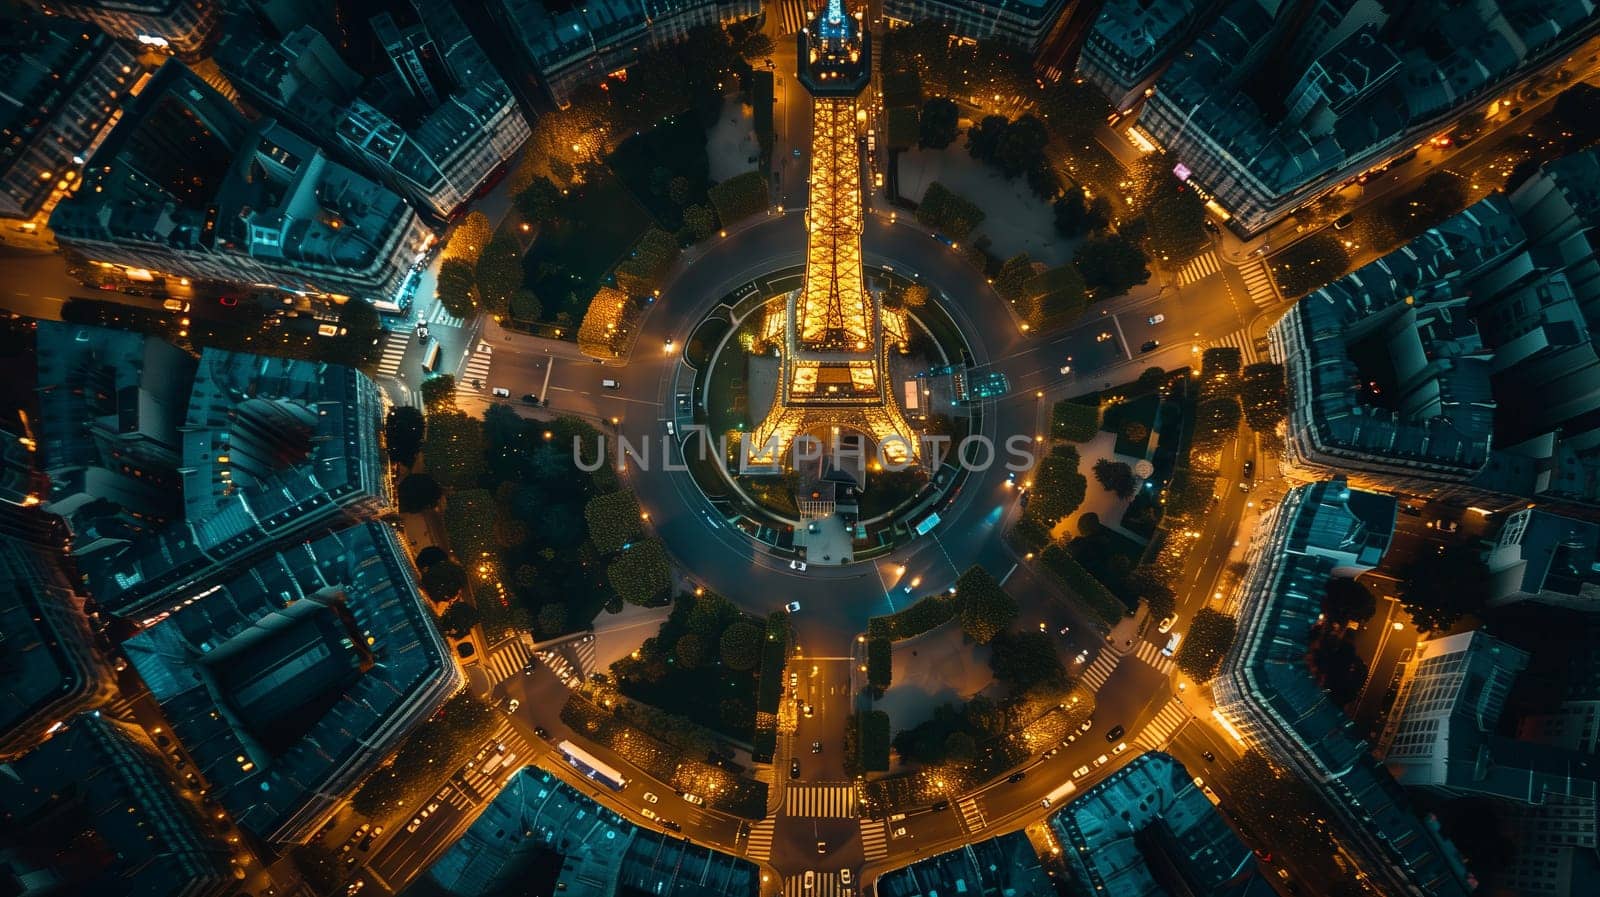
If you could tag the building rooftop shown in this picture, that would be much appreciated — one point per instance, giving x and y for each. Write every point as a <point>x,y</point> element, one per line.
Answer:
<point>541,836</point>
<point>1147,822</point>
<point>283,681</point>
<point>45,647</point>
<point>995,867</point>
<point>93,812</point>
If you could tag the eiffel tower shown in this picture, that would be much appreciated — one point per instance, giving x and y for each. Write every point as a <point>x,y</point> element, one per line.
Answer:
<point>831,335</point>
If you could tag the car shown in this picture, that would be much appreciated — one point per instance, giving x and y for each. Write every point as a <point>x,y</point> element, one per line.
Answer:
<point>1155,319</point>
<point>609,383</point>
<point>1172,645</point>
<point>1081,771</point>
<point>1411,510</point>
<point>1053,751</point>
<point>1082,657</point>
<point>1101,760</point>
<point>844,876</point>
<point>228,301</point>
<point>1102,336</point>
<point>1344,221</point>
<point>1211,226</point>
<point>1016,777</point>
<point>1150,346</point>
<point>939,806</point>
<point>1071,737</point>
<point>794,769</point>
<point>648,813</point>
<point>1166,624</point>
<point>434,805</point>
<point>822,847</point>
<point>1066,369</point>
<point>650,797</point>
<point>1208,756</point>
<point>808,710</point>
<point>175,305</point>
<point>530,398</point>
<point>798,565</point>
<point>1087,725</point>
<point>1121,746</point>
<point>541,732</point>
<point>1444,526</point>
<point>792,607</point>
<point>669,824</point>
<point>816,747</point>
<point>690,797</point>
<point>1248,469</point>
<point>1115,733</point>
<point>668,346</point>
<point>1063,630</point>
<point>416,823</point>
<point>500,392</point>
<point>355,887</point>
<point>900,832</point>
<point>512,705</point>
<point>810,880</point>
<point>797,152</point>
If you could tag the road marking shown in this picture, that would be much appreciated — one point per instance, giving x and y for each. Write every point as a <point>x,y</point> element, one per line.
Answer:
<point>1099,671</point>
<point>758,846</point>
<point>1161,729</point>
<point>1259,283</point>
<point>826,884</point>
<point>1199,268</point>
<point>971,815</point>
<point>1239,339</point>
<point>792,16</point>
<point>512,658</point>
<point>820,801</point>
<point>1151,655</point>
<point>874,839</point>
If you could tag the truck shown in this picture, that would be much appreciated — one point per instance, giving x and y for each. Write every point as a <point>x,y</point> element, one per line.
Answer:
<point>1056,796</point>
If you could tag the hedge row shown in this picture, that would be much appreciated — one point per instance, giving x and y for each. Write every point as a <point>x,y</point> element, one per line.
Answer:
<point>880,663</point>
<point>1071,575</point>
<point>774,653</point>
<point>874,741</point>
<point>930,612</point>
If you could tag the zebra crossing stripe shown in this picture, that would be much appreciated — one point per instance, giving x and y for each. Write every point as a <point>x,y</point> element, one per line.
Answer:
<point>1258,281</point>
<point>758,846</point>
<point>438,315</point>
<point>1152,656</point>
<point>793,14</point>
<point>1199,268</point>
<point>970,814</point>
<point>821,801</point>
<point>1239,339</point>
<point>874,840</point>
<point>1171,718</point>
<point>825,884</point>
<point>1099,671</point>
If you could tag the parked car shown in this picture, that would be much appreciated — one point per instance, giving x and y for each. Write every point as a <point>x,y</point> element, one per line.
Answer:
<point>1155,319</point>
<point>1150,346</point>
<point>1166,624</point>
<point>816,747</point>
<point>1115,733</point>
<point>798,565</point>
<point>1081,771</point>
<point>1121,746</point>
<point>500,392</point>
<point>794,769</point>
<point>1172,645</point>
<point>792,607</point>
<point>1016,777</point>
<point>650,797</point>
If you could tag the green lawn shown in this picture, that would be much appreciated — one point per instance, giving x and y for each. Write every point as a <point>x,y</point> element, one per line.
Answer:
<point>600,221</point>
<point>647,163</point>
<point>727,398</point>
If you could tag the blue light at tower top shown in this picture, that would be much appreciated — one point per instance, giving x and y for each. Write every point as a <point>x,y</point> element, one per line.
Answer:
<point>835,25</point>
<point>835,11</point>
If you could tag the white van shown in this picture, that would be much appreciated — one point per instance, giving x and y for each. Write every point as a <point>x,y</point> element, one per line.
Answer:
<point>1172,645</point>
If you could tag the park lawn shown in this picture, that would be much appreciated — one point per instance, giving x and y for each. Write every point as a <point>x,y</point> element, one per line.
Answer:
<point>1109,556</point>
<point>1118,415</point>
<point>676,146</point>
<point>600,221</point>
<point>697,694</point>
<point>727,392</point>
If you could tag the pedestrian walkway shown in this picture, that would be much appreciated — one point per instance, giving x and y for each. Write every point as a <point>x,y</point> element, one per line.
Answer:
<point>395,344</point>
<point>1099,671</point>
<point>1239,339</point>
<point>488,784</point>
<point>874,839</point>
<point>435,313</point>
<point>559,665</point>
<point>510,658</point>
<point>1199,268</point>
<point>820,801</point>
<point>1171,718</point>
<point>1151,654</point>
<point>758,847</point>
<point>826,884</point>
<point>475,369</point>
<point>1258,282</point>
<point>971,815</point>
<point>792,16</point>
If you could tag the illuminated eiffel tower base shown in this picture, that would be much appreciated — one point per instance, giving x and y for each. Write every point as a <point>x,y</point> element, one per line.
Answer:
<point>831,332</point>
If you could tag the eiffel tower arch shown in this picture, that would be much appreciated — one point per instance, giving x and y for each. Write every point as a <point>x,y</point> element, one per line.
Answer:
<point>832,346</point>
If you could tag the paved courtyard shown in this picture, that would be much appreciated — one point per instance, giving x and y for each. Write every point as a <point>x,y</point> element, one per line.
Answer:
<point>1015,220</point>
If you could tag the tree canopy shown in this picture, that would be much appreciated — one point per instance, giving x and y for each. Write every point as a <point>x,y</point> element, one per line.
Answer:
<point>403,430</point>
<point>986,608</point>
<point>939,124</point>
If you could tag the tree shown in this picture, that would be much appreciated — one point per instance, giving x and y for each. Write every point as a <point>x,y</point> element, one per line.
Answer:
<point>1263,395</point>
<point>468,239</point>
<point>1058,487</point>
<point>442,582</point>
<point>439,393</point>
<point>454,448</point>
<point>1174,217</point>
<point>1074,421</point>
<point>1309,263</point>
<point>983,138</point>
<point>700,222</point>
<point>1346,600</point>
<point>1021,147</point>
<point>641,575</point>
<point>986,609</point>
<point>552,619</point>
<point>458,619</point>
<point>1440,587</point>
<point>1145,583</point>
<point>874,740</point>
<point>1335,664</point>
<point>880,663</point>
<point>739,197</point>
<point>525,306</point>
<point>690,651</point>
<point>960,748</point>
<point>1026,660</point>
<point>1013,276</point>
<point>939,124</point>
<point>418,492</point>
<point>1110,265</point>
<point>403,430</point>
<point>359,329</point>
<point>431,555</point>
<point>756,46</point>
<point>948,212</point>
<point>1217,419</point>
<point>1219,364</point>
<point>1210,636</point>
<point>454,288</point>
<point>914,296</point>
<point>1116,477</point>
<point>1075,215</point>
<point>740,646</point>
<point>540,201</point>
<point>499,274</point>
<point>643,271</point>
<point>614,520</point>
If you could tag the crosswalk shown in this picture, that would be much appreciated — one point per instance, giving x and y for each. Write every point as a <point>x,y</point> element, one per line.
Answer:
<point>1155,736</point>
<point>1239,339</point>
<point>971,814</point>
<point>476,368</point>
<point>1151,655</point>
<point>559,665</point>
<point>820,801</point>
<point>874,839</point>
<point>488,784</point>
<point>395,344</point>
<point>792,15</point>
<point>1099,671</point>
<point>825,884</point>
<point>506,660</point>
<point>435,313</point>
<point>758,847</point>
<point>1258,282</point>
<point>1199,268</point>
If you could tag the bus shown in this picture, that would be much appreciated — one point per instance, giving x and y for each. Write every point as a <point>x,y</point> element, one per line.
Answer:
<point>1055,796</point>
<point>591,766</point>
